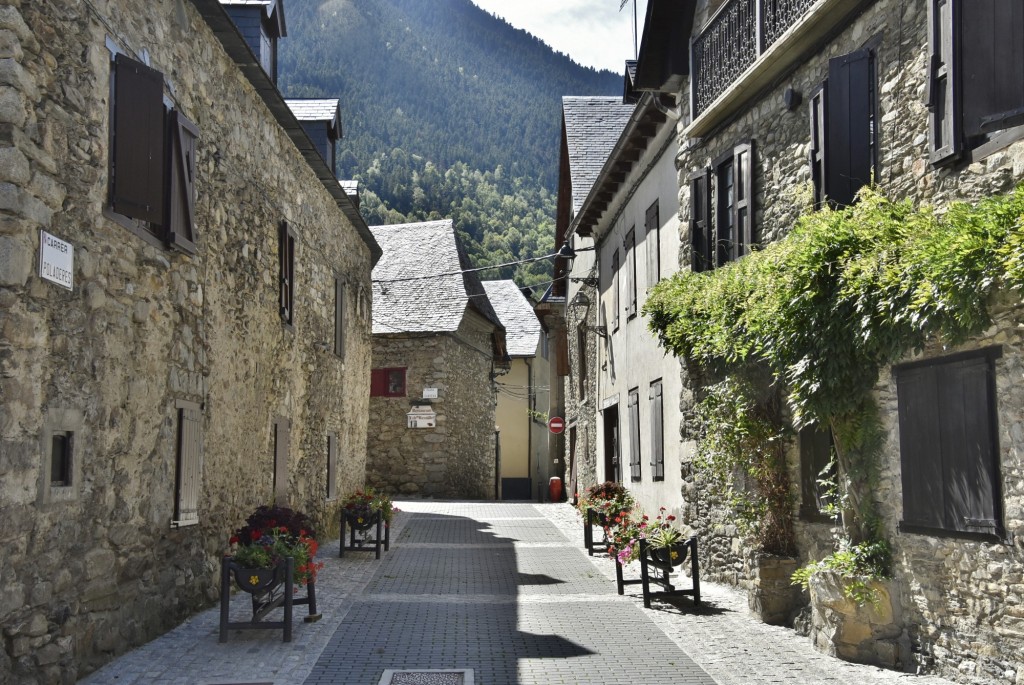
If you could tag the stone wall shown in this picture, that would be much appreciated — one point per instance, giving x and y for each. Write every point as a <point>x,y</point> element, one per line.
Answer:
<point>97,568</point>
<point>957,597</point>
<point>455,459</point>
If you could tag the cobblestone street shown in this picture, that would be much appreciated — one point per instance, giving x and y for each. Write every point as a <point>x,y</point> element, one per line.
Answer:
<point>504,590</point>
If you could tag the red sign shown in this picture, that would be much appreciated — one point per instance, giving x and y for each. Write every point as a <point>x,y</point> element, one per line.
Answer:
<point>556,424</point>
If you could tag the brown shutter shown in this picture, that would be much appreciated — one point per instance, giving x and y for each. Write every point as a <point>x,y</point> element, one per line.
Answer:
<point>657,432</point>
<point>137,176</point>
<point>652,226</point>
<point>616,304</point>
<point>991,74</point>
<point>849,138</point>
<point>339,317</point>
<point>700,221</point>
<point>189,467</point>
<point>629,250</point>
<point>743,198</point>
<point>943,105</point>
<point>332,466</point>
<point>920,454</point>
<point>282,437</point>
<point>634,434</point>
<point>378,382</point>
<point>286,254</point>
<point>181,223</point>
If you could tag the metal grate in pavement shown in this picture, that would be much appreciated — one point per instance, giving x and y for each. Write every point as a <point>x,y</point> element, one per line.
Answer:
<point>427,677</point>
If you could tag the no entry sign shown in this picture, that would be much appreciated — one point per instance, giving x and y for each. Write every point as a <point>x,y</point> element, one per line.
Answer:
<point>556,424</point>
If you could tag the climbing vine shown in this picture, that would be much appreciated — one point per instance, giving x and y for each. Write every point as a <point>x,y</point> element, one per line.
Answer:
<point>844,295</point>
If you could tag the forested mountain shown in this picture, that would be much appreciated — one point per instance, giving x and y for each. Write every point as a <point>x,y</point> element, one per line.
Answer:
<point>447,111</point>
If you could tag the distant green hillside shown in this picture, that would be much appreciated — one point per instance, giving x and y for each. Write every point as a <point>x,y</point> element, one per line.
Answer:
<point>447,112</point>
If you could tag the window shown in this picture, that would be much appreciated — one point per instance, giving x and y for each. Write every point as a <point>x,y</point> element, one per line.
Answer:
<point>844,140</point>
<point>615,290</point>
<point>387,382</point>
<point>652,227</point>
<point>725,233</point>
<point>629,250</point>
<point>332,466</point>
<point>282,437</point>
<point>60,458</point>
<point>702,235</point>
<point>633,404</point>
<point>976,76</point>
<point>188,469</point>
<point>286,259</point>
<point>657,432</point>
<point>948,445</point>
<point>339,317</point>
<point>61,442</point>
<point>152,158</point>
<point>817,468</point>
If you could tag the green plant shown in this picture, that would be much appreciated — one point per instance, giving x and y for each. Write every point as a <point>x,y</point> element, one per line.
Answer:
<point>273,533</point>
<point>362,504</point>
<point>742,455</point>
<point>859,565</point>
<point>623,531</point>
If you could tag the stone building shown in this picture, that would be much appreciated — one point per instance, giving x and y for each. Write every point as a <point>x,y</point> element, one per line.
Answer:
<point>523,398</point>
<point>590,129</point>
<point>786,103</point>
<point>182,337</point>
<point>437,348</point>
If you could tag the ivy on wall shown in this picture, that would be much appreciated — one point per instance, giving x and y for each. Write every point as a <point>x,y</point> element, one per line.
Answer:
<point>845,294</point>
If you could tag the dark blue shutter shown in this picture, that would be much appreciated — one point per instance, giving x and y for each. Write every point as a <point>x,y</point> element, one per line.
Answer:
<point>181,222</point>
<point>992,65</point>
<point>137,176</point>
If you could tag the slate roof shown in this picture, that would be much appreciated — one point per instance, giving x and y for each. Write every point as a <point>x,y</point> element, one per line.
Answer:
<point>310,109</point>
<point>418,284</point>
<point>593,124</point>
<point>522,328</point>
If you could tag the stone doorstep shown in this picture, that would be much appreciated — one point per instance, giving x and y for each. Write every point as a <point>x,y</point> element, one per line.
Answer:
<point>427,676</point>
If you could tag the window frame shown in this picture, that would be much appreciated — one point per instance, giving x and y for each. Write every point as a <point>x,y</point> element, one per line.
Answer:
<point>332,466</point>
<point>945,92</point>
<point>813,462</point>
<point>917,494</point>
<point>702,232</point>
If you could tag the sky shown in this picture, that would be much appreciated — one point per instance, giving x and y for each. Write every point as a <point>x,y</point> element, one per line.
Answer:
<point>594,33</point>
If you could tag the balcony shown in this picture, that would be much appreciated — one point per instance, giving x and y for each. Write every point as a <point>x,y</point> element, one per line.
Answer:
<point>748,43</point>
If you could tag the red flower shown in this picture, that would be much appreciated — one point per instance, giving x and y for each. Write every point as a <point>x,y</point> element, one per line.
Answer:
<point>670,518</point>
<point>256,535</point>
<point>233,540</point>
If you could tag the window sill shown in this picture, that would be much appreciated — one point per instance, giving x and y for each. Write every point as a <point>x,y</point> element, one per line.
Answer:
<point>998,537</point>
<point>997,143</point>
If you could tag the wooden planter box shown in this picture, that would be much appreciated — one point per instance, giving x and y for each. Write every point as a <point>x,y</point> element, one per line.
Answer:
<point>269,588</point>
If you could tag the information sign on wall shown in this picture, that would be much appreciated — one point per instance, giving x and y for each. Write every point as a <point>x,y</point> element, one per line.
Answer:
<point>56,260</point>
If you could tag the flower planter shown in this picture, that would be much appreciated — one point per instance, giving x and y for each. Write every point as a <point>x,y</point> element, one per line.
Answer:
<point>673,555</point>
<point>595,517</point>
<point>360,523</point>
<point>654,570</point>
<point>270,589</point>
<point>867,633</point>
<point>773,597</point>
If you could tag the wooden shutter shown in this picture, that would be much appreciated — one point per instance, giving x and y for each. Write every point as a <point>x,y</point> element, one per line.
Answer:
<point>701,239</point>
<point>948,447</point>
<point>137,175</point>
<point>286,255</point>
<point>332,466</point>
<point>282,436</point>
<point>657,433</point>
<point>743,199</point>
<point>634,434</point>
<point>339,317</point>
<point>652,226</point>
<point>616,306</point>
<point>816,156</point>
<point>181,222</point>
<point>378,382</point>
<point>581,346</point>
<point>189,464</point>
<point>849,144</point>
<point>941,93</point>
<point>629,250</point>
<point>991,75</point>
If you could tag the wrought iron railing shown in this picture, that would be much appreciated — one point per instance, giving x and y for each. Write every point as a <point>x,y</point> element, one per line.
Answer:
<point>733,40</point>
